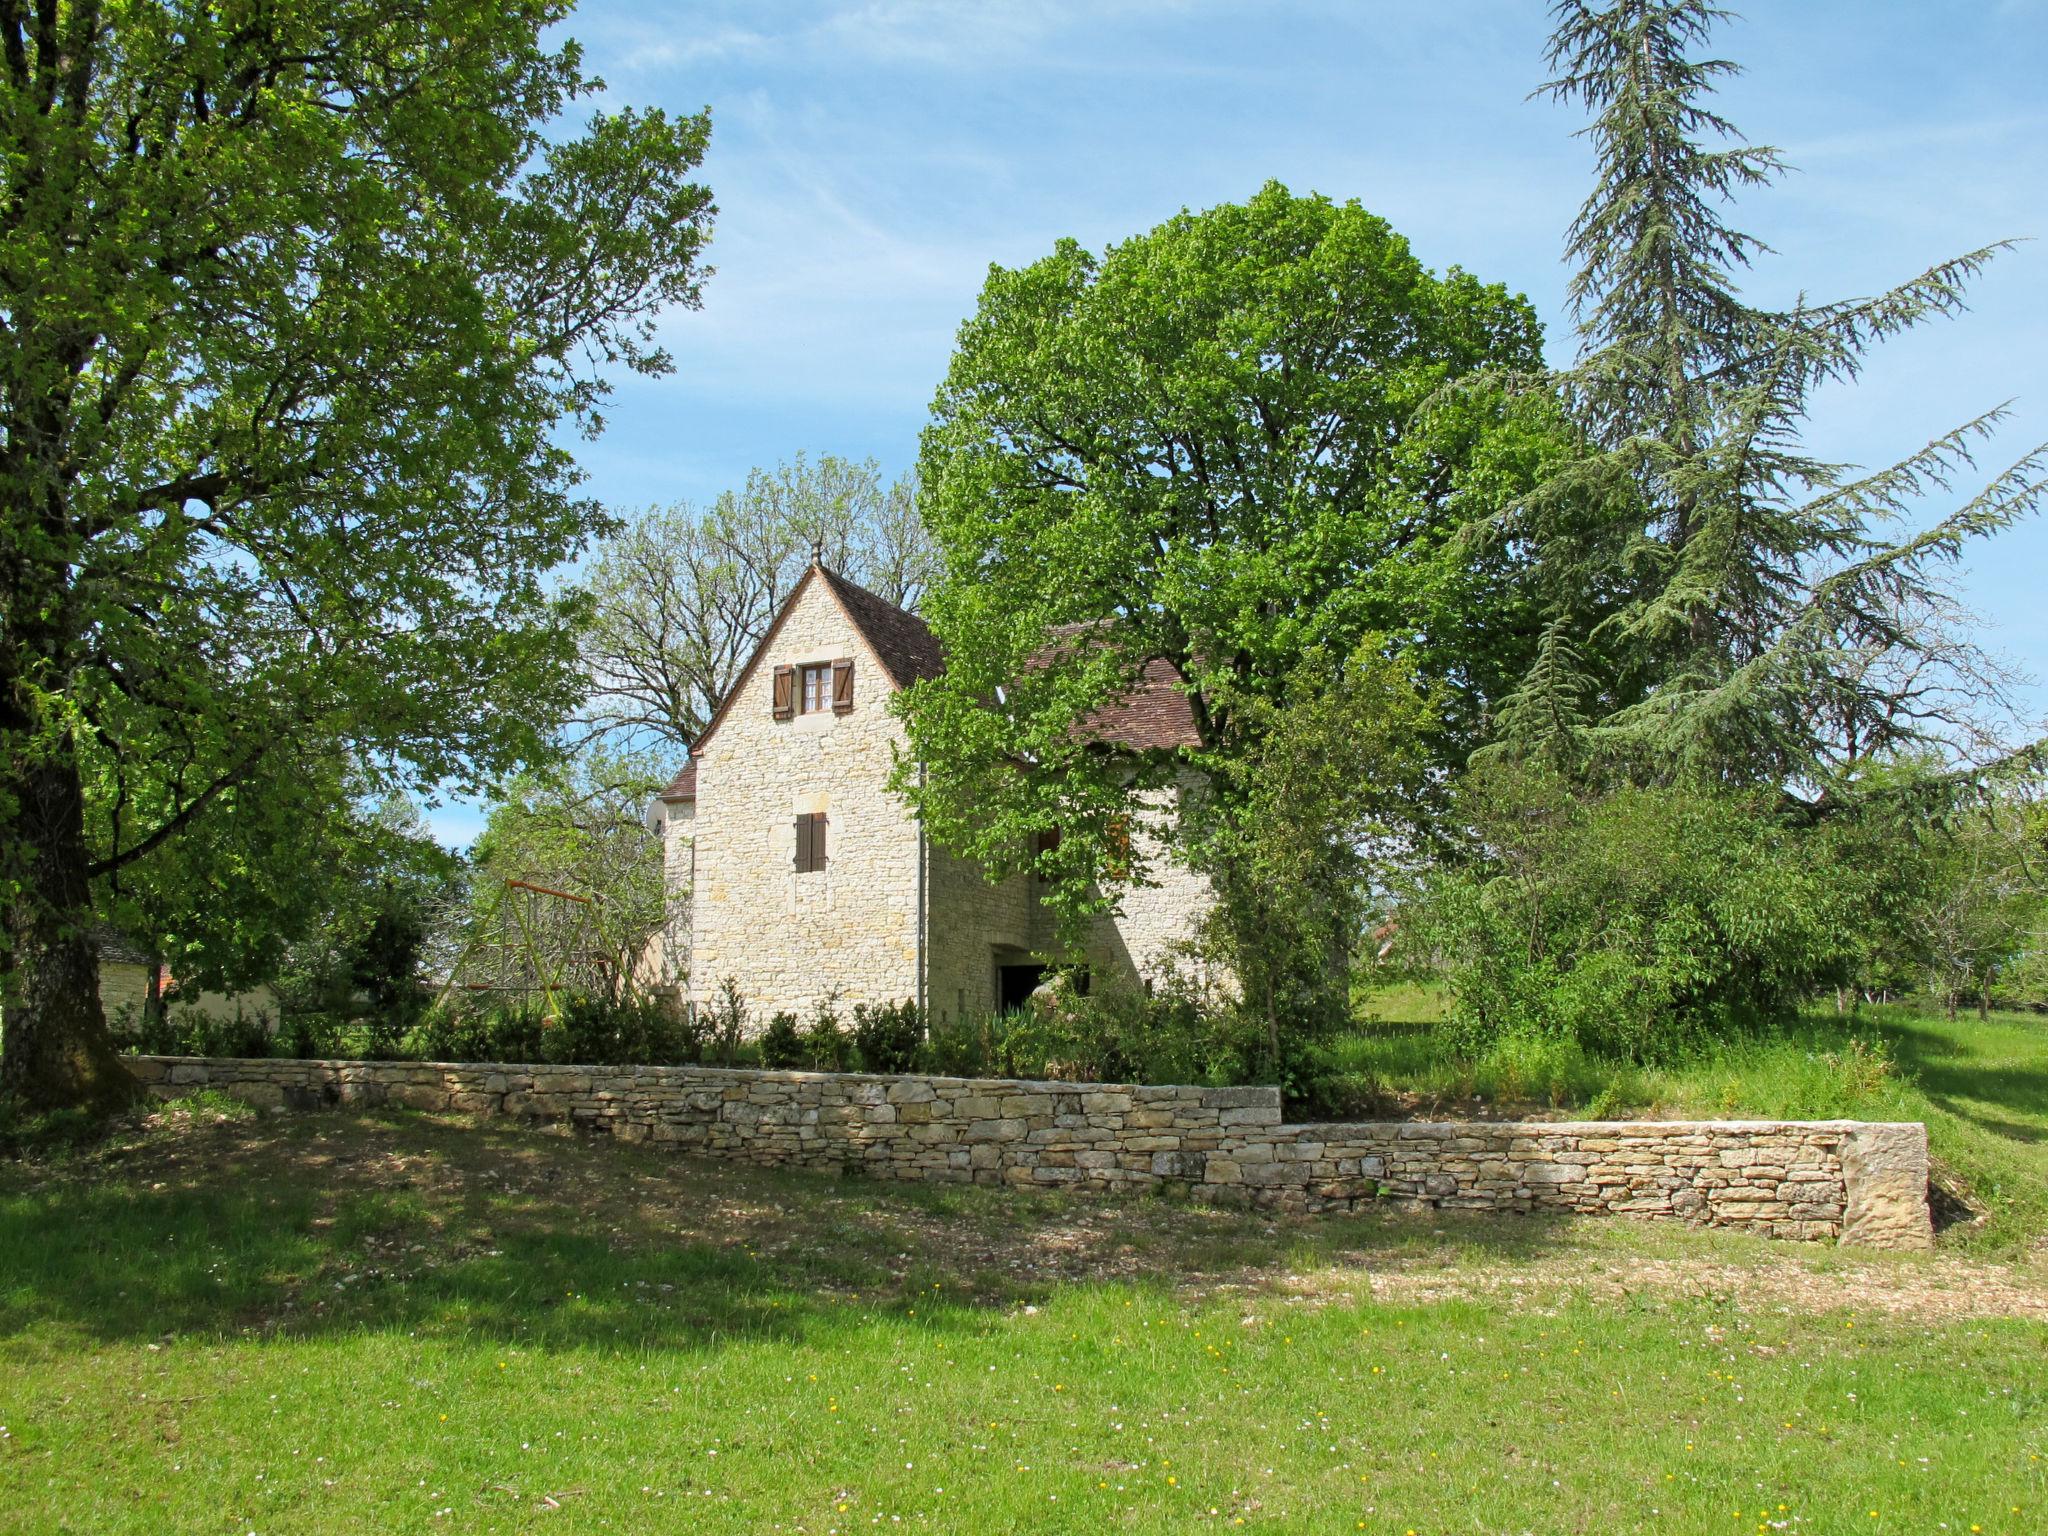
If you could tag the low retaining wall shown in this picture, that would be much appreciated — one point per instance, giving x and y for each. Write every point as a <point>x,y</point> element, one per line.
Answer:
<point>1861,1183</point>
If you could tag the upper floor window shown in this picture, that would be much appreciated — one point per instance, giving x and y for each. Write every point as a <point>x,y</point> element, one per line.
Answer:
<point>813,688</point>
<point>816,687</point>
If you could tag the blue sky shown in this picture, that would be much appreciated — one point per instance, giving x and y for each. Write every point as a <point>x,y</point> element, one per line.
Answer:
<point>871,158</point>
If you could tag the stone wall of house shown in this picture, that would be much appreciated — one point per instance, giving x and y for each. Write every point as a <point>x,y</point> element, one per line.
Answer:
<point>1156,925</point>
<point>974,926</point>
<point>1861,1183</point>
<point>787,939</point>
<point>124,993</point>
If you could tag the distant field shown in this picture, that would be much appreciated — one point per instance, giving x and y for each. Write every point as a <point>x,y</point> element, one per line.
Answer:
<point>327,1323</point>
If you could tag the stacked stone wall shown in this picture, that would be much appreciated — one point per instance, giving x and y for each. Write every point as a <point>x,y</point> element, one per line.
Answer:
<point>1861,1183</point>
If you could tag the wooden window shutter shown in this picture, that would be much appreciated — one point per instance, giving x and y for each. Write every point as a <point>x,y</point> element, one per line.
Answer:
<point>842,687</point>
<point>810,844</point>
<point>785,692</point>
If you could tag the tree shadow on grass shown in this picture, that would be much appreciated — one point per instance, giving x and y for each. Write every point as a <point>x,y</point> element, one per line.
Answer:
<point>1989,1091</point>
<point>312,1225</point>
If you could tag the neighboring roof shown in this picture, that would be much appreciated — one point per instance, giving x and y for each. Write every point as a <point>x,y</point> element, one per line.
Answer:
<point>684,785</point>
<point>904,642</point>
<point>1156,715</point>
<point>115,947</point>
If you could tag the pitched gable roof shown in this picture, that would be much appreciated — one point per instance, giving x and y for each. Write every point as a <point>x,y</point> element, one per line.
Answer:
<point>902,641</point>
<point>1156,715</point>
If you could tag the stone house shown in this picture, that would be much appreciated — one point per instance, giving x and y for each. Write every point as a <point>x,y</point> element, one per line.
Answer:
<point>126,974</point>
<point>807,877</point>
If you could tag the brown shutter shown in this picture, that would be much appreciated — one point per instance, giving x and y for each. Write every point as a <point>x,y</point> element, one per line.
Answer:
<point>842,687</point>
<point>818,841</point>
<point>803,844</point>
<point>785,692</point>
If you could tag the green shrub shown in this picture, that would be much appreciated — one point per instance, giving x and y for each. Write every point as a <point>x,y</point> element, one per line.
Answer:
<point>888,1036</point>
<point>782,1044</point>
<point>1638,922</point>
<point>187,1031</point>
<point>962,1047</point>
<point>827,1047</point>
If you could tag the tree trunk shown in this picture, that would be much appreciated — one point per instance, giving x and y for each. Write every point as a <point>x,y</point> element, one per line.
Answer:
<point>56,1052</point>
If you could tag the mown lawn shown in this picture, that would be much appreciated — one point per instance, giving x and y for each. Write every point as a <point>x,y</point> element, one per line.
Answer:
<point>328,1323</point>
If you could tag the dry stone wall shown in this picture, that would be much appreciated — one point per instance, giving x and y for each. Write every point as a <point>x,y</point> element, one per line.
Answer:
<point>1861,1183</point>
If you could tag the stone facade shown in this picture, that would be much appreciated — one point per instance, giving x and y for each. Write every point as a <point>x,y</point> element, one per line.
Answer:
<point>786,939</point>
<point>890,917</point>
<point>1861,1183</point>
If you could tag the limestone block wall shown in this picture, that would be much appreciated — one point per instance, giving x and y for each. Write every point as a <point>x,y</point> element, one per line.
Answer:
<point>785,938</point>
<point>1856,1182</point>
<point>1157,923</point>
<point>973,925</point>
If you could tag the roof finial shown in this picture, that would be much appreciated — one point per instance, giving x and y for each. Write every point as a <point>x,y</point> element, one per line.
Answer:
<point>818,549</point>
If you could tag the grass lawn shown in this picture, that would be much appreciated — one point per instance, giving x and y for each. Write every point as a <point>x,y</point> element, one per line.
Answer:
<point>330,1323</point>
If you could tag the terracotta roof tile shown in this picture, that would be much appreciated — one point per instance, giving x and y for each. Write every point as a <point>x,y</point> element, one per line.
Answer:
<point>684,785</point>
<point>904,642</point>
<point>1154,716</point>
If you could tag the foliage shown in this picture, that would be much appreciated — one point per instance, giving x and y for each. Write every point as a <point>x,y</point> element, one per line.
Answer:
<point>1290,833</point>
<point>302,305</point>
<point>1636,922</point>
<point>1984,903</point>
<point>782,1043</point>
<point>379,893</point>
<point>682,596</point>
<point>193,1031</point>
<point>1718,604</point>
<point>578,826</point>
<point>600,1031</point>
<point>888,1036</point>
<point>726,1022</point>
<point>827,1045</point>
<point>1113,1034</point>
<point>1225,444</point>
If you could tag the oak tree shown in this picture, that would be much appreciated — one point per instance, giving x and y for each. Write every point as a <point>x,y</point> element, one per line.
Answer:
<point>299,298</point>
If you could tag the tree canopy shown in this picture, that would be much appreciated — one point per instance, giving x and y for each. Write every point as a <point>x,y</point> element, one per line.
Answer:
<point>1718,603</point>
<point>297,300</point>
<point>1226,443</point>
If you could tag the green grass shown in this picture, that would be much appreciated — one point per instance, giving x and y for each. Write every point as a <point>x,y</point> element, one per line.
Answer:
<point>327,1323</point>
<point>1981,1087</point>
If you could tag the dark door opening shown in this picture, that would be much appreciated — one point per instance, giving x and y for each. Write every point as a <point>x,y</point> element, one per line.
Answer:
<point>1015,984</point>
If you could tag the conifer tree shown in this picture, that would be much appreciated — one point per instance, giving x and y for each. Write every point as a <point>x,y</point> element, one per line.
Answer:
<point>1723,606</point>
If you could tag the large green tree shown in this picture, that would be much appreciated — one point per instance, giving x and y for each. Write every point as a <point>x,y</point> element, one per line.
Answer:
<point>1720,604</point>
<point>298,296</point>
<point>1226,443</point>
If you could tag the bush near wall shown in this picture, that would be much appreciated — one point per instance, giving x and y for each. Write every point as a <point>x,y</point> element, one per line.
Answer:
<point>1113,1036</point>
